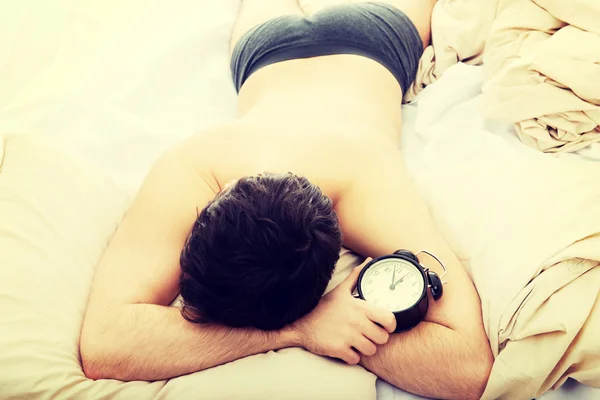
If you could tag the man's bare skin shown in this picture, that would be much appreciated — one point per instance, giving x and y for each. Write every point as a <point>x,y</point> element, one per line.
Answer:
<point>335,120</point>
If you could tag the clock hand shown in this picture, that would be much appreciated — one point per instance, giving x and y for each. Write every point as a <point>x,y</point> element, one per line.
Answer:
<point>400,280</point>
<point>393,286</point>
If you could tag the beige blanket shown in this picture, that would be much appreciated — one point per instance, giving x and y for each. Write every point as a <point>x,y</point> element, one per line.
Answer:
<point>533,253</point>
<point>459,32</point>
<point>542,58</point>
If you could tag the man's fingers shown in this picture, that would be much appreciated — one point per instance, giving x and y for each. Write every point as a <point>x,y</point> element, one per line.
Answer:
<point>364,346</point>
<point>350,356</point>
<point>350,282</point>
<point>375,333</point>
<point>381,316</point>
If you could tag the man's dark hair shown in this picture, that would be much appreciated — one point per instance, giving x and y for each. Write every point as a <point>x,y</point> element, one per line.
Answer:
<point>260,254</point>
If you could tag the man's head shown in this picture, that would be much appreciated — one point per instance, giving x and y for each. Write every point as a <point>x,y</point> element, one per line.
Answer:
<point>260,254</point>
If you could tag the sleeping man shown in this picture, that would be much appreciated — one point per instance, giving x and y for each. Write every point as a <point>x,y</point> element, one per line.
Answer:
<point>247,220</point>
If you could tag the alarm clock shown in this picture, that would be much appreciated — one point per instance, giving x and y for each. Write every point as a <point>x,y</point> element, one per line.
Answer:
<point>399,283</point>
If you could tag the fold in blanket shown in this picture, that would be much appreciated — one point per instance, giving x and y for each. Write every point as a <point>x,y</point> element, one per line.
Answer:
<point>543,62</point>
<point>549,333</point>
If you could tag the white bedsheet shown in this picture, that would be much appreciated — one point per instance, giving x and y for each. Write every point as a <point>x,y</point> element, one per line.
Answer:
<point>118,81</point>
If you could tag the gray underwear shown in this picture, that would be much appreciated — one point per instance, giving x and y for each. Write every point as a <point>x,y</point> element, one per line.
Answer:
<point>378,31</point>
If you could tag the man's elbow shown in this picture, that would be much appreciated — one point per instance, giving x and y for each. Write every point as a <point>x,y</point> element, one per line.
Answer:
<point>90,363</point>
<point>97,361</point>
<point>478,367</point>
<point>90,367</point>
<point>478,381</point>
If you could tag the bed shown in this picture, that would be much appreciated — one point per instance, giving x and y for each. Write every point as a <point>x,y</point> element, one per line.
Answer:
<point>112,84</point>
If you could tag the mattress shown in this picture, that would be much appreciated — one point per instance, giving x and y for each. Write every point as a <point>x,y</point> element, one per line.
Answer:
<point>117,82</point>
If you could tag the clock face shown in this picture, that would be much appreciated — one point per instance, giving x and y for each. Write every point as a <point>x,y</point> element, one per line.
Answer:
<point>392,283</point>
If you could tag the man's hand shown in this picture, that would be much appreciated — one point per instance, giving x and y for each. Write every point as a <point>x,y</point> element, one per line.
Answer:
<point>342,326</point>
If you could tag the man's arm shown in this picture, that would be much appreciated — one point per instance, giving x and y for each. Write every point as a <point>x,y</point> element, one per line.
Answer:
<point>129,333</point>
<point>149,342</point>
<point>448,356</point>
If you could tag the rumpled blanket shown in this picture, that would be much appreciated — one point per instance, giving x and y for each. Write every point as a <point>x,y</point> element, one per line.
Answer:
<point>543,63</point>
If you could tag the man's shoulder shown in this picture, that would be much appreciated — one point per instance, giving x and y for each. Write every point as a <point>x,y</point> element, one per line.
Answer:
<point>208,139</point>
<point>203,152</point>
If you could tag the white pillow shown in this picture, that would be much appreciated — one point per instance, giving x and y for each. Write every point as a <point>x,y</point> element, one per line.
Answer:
<point>57,216</point>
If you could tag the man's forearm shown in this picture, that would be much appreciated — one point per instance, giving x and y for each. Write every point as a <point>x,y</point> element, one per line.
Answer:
<point>434,361</point>
<point>149,342</point>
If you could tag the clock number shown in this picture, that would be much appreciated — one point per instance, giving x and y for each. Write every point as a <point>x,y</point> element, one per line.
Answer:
<point>388,269</point>
<point>376,273</point>
<point>370,281</point>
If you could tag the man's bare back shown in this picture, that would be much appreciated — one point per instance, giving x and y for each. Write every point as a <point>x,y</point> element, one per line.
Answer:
<point>336,121</point>
<point>282,128</point>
